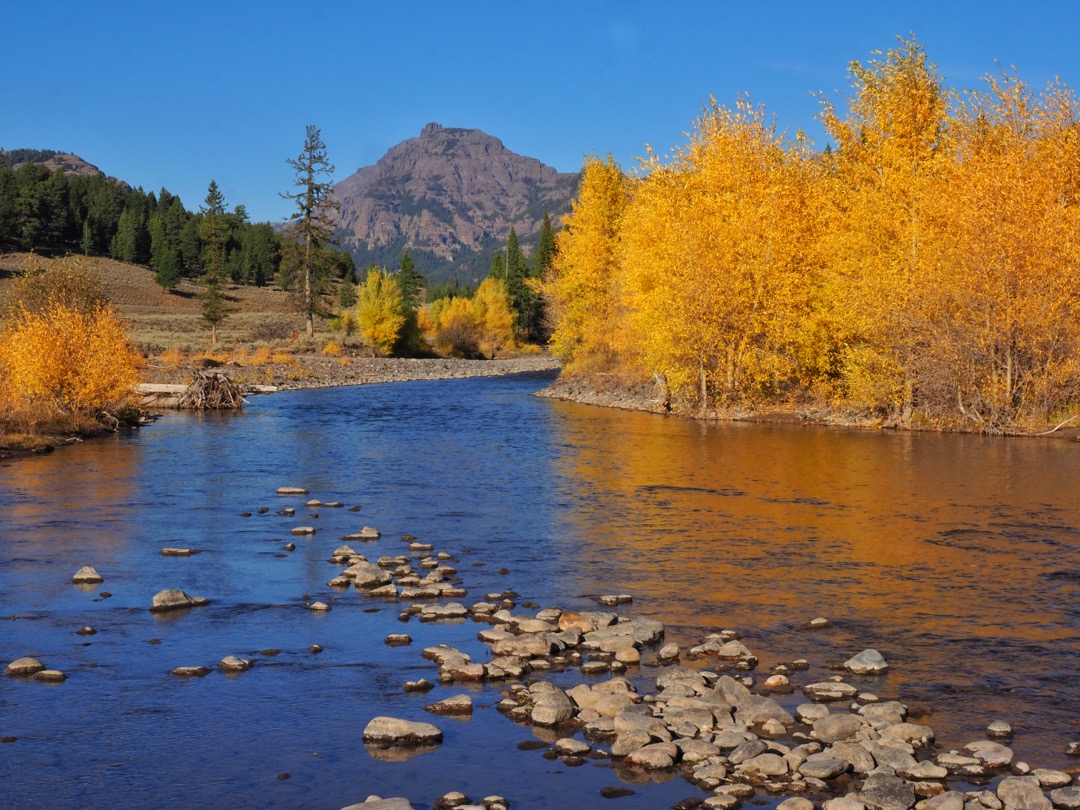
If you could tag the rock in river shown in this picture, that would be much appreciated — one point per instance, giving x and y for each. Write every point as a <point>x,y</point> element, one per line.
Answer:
<point>392,731</point>
<point>24,666</point>
<point>87,575</point>
<point>868,662</point>
<point>175,599</point>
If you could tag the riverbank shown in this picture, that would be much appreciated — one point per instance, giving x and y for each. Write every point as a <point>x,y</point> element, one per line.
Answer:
<point>297,371</point>
<point>610,391</point>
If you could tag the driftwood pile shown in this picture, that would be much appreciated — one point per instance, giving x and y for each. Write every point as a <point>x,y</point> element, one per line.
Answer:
<point>211,391</point>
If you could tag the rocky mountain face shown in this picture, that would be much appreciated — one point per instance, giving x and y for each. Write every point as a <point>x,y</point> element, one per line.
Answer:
<point>51,160</point>
<point>449,197</point>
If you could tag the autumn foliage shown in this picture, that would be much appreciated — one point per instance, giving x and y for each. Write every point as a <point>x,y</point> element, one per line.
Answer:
<point>922,269</point>
<point>65,357</point>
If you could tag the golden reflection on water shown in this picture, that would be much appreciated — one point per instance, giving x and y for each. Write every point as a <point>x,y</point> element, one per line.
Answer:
<point>53,495</point>
<point>751,525</point>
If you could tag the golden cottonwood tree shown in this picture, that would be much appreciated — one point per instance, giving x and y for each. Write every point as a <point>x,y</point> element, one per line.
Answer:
<point>581,288</point>
<point>881,238</point>
<point>1006,344</point>
<point>714,251</point>
<point>379,311</point>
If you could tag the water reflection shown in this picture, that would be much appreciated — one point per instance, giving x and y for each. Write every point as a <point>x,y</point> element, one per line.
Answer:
<point>955,555</point>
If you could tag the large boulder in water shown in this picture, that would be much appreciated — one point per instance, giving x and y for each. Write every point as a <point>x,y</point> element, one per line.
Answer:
<point>392,731</point>
<point>175,599</point>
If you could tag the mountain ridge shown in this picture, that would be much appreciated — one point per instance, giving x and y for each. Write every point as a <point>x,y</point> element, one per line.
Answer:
<point>449,197</point>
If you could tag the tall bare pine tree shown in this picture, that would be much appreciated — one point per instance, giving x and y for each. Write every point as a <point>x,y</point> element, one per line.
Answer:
<point>311,228</point>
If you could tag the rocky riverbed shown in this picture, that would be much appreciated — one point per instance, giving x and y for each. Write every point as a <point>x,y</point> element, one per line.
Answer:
<point>577,679</point>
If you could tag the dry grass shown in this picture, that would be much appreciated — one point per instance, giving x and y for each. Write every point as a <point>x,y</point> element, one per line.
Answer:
<point>160,321</point>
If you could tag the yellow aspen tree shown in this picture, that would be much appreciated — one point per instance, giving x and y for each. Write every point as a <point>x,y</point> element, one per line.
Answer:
<point>491,312</point>
<point>378,311</point>
<point>881,233</point>
<point>581,288</point>
<point>715,249</point>
<point>1007,344</point>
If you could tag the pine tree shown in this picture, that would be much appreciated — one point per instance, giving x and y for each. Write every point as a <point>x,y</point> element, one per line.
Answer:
<point>522,298</point>
<point>545,249</point>
<point>410,282</point>
<point>212,230</point>
<point>311,228</point>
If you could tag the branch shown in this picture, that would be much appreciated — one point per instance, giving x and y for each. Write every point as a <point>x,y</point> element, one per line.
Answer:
<point>1059,427</point>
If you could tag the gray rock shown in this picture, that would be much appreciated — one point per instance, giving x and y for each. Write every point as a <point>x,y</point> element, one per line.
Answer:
<point>1022,793</point>
<point>999,729</point>
<point>990,754</point>
<point>891,754</point>
<point>394,731</point>
<point>823,766</point>
<point>191,672</point>
<point>949,800</point>
<point>830,690</point>
<point>747,751</point>
<point>375,803</point>
<point>758,710</point>
<point>922,771</point>
<point>458,705</point>
<point>809,713</point>
<point>838,727</point>
<point>525,646</point>
<point>669,652</point>
<point>795,803</point>
<point>569,747</point>
<point>655,756</point>
<point>1067,798</point>
<point>319,606</point>
<point>893,796</point>
<point>912,733</point>
<point>303,530</point>
<point>175,599</point>
<point>87,575</point>
<point>630,741</point>
<point>1051,779</point>
<point>849,802</point>
<point>291,491</point>
<point>24,666</point>
<point>552,708</point>
<point>862,761</point>
<point>765,765</point>
<point>50,676</point>
<point>232,663</point>
<point>868,662</point>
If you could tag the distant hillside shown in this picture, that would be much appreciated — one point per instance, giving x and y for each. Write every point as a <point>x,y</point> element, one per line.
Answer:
<point>449,197</point>
<point>51,160</point>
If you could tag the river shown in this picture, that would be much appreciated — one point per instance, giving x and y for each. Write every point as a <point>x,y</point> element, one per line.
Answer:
<point>958,557</point>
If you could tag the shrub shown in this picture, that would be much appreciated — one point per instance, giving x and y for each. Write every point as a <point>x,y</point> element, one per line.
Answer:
<point>332,349</point>
<point>172,358</point>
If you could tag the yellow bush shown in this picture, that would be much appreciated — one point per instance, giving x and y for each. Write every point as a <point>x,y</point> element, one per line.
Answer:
<point>284,359</point>
<point>261,356</point>
<point>332,349</point>
<point>61,361</point>
<point>345,361</point>
<point>172,358</point>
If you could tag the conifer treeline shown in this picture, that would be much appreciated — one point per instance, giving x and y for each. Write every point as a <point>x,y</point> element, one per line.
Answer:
<point>99,216</point>
<point>925,270</point>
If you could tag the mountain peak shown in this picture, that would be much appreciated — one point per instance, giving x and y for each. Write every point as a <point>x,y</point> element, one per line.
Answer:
<point>449,197</point>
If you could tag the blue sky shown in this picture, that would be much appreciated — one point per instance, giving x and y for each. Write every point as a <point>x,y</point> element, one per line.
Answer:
<point>177,94</point>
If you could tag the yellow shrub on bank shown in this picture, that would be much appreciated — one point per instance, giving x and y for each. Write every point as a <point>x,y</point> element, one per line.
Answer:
<point>60,361</point>
<point>261,356</point>
<point>332,349</point>
<point>172,358</point>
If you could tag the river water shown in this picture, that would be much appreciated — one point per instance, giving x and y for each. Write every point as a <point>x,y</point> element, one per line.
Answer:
<point>955,556</point>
